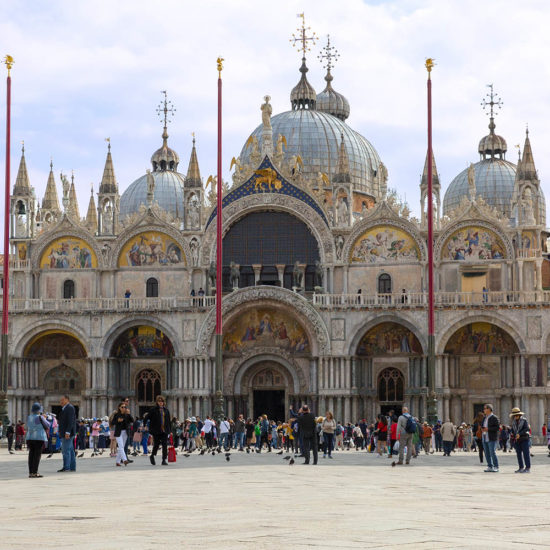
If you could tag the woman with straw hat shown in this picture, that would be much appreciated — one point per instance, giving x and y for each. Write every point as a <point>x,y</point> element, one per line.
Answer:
<point>520,436</point>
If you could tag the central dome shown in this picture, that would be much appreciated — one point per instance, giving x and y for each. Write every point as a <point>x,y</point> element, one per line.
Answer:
<point>316,137</point>
<point>315,128</point>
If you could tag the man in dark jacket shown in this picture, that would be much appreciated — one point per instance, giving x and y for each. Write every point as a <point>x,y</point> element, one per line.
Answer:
<point>159,427</point>
<point>67,432</point>
<point>490,429</point>
<point>306,428</point>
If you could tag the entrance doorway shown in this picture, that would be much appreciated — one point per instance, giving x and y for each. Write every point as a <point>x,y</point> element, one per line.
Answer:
<point>270,402</point>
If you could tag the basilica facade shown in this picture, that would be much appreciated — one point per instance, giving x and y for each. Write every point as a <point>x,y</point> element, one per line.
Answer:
<point>324,287</point>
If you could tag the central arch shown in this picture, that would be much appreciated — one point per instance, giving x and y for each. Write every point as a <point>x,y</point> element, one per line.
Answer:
<point>267,382</point>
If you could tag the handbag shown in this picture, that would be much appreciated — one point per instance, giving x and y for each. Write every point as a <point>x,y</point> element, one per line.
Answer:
<point>171,454</point>
<point>478,433</point>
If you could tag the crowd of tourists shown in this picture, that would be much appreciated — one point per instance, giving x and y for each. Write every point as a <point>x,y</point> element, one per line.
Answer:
<point>122,435</point>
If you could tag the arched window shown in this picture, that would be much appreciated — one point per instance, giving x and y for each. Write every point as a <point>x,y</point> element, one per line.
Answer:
<point>152,288</point>
<point>390,385</point>
<point>68,289</point>
<point>384,284</point>
<point>148,386</point>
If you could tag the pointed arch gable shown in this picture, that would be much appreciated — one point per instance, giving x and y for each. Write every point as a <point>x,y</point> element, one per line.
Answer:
<point>488,240</point>
<point>397,241</point>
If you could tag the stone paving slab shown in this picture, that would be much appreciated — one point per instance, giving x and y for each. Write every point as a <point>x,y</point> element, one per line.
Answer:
<point>261,502</point>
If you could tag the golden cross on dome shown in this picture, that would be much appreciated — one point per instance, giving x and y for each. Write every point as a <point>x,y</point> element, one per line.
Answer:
<point>165,109</point>
<point>302,37</point>
<point>330,54</point>
<point>494,101</point>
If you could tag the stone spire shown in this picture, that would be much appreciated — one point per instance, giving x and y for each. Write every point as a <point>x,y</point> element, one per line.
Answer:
<point>108,181</point>
<point>436,192</point>
<point>435,176</point>
<point>528,170</point>
<point>22,185</point>
<point>193,178</point>
<point>91,216</point>
<point>343,174</point>
<point>50,201</point>
<point>72,205</point>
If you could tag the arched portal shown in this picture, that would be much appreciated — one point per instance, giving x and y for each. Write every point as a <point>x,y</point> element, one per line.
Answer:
<point>61,362</point>
<point>140,365</point>
<point>266,384</point>
<point>389,360</point>
<point>481,360</point>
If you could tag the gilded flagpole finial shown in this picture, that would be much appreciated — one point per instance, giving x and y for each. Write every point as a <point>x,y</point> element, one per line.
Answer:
<point>430,63</point>
<point>8,60</point>
<point>219,62</point>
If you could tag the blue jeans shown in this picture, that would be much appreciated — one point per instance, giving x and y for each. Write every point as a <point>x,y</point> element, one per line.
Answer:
<point>522,450</point>
<point>67,450</point>
<point>224,440</point>
<point>239,439</point>
<point>490,453</point>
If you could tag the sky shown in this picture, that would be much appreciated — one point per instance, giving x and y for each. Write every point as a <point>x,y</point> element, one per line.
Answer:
<point>85,71</point>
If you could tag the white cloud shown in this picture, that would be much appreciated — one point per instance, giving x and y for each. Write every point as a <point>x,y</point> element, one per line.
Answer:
<point>85,71</point>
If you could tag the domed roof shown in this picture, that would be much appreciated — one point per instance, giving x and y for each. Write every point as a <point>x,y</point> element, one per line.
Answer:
<point>168,193</point>
<point>303,95</point>
<point>165,158</point>
<point>332,102</point>
<point>492,144</point>
<point>494,181</point>
<point>316,136</point>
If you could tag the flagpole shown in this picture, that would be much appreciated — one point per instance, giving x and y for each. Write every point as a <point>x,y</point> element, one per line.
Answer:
<point>219,405</point>
<point>5,294</point>
<point>432,402</point>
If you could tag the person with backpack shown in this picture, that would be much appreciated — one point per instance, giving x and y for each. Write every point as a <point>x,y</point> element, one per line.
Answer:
<point>406,427</point>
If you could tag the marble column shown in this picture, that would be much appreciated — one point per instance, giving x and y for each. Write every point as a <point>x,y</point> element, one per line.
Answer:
<point>517,370</point>
<point>345,289</point>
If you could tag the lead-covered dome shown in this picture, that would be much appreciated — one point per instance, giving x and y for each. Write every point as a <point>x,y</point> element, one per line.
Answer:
<point>332,102</point>
<point>168,194</point>
<point>494,181</point>
<point>316,136</point>
<point>168,189</point>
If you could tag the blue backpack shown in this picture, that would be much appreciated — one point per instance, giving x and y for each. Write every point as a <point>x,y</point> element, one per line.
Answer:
<point>410,426</point>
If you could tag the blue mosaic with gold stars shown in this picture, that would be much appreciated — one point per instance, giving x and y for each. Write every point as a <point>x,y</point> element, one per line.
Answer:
<point>252,188</point>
